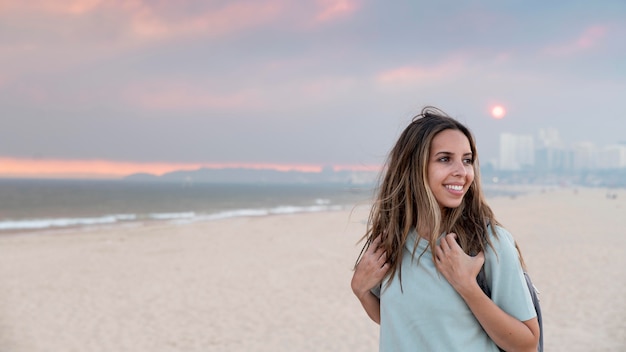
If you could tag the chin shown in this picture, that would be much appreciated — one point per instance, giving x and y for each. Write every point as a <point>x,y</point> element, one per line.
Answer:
<point>453,205</point>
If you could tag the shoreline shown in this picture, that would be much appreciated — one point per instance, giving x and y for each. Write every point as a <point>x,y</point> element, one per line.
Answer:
<point>148,222</point>
<point>112,221</point>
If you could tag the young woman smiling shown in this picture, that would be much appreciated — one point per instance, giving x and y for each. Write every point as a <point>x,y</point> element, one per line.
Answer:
<point>429,234</point>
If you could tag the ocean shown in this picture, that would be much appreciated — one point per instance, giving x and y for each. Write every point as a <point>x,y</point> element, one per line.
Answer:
<point>33,205</point>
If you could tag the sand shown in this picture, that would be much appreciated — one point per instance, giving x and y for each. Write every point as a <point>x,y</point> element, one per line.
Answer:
<point>282,283</point>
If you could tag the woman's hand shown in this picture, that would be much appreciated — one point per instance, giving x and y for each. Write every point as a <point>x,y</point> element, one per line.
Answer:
<point>370,270</point>
<point>457,267</point>
<point>461,270</point>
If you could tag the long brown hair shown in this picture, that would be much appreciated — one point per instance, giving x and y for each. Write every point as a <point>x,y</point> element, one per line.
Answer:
<point>405,200</point>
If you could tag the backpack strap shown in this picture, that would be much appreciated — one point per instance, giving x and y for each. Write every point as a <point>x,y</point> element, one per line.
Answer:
<point>534,294</point>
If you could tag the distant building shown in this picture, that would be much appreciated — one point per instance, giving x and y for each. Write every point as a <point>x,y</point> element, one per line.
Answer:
<point>585,156</point>
<point>612,157</point>
<point>550,154</point>
<point>553,159</point>
<point>517,152</point>
<point>549,138</point>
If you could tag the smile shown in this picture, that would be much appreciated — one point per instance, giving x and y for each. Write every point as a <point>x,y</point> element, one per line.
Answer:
<point>454,187</point>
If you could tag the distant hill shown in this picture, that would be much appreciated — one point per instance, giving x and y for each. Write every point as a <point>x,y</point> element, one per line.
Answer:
<point>244,175</point>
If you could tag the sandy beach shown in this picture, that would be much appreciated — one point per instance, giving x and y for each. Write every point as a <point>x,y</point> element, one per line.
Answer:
<point>282,283</point>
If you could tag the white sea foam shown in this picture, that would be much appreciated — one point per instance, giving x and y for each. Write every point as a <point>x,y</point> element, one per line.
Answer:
<point>279,210</point>
<point>175,217</point>
<point>38,224</point>
<point>322,201</point>
<point>172,216</point>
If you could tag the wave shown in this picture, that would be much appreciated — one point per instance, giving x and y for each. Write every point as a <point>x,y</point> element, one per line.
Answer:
<point>172,217</point>
<point>280,210</point>
<point>38,224</point>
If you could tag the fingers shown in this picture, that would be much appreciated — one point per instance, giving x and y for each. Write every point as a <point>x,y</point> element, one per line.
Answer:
<point>380,256</point>
<point>451,240</point>
<point>443,244</point>
<point>376,242</point>
<point>438,251</point>
<point>373,245</point>
<point>375,256</point>
<point>380,253</point>
<point>447,245</point>
<point>438,255</point>
<point>382,259</point>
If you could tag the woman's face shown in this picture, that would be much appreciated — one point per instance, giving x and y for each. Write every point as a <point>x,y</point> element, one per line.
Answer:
<point>450,168</point>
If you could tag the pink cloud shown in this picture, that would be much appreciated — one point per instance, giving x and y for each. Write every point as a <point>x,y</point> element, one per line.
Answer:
<point>357,167</point>
<point>588,39</point>
<point>167,20</point>
<point>414,74</point>
<point>158,19</point>
<point>74,32</point>
<point>591,36</point>
<point>100,168</point>
<point>78,7</point>
<point>503,57</point>
<point>185,96</point>
<point>21,167</point>
<point>74,7</point>
<point>332,9</point>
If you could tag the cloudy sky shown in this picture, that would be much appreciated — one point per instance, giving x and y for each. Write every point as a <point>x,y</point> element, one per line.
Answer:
<point>120,86</point>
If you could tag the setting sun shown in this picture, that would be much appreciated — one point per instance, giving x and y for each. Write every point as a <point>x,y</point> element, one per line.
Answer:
<point>498,112</point>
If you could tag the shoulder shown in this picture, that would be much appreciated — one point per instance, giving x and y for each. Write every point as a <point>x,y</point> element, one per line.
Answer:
<point>505,275</point>
<point>500,232</point>
<point>502,244</point>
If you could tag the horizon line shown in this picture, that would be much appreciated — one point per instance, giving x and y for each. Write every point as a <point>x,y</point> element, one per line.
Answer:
<point>11,167</point>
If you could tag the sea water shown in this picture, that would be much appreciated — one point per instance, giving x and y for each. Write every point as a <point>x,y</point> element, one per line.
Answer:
<point>39,205</point>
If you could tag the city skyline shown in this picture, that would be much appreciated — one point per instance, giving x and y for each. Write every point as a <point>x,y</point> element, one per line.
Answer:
<point>548,151</point>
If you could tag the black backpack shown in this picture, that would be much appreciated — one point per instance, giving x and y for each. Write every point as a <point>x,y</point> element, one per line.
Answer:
<point>482,282</point>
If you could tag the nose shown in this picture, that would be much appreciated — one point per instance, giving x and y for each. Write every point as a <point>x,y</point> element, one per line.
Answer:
<point>459,169</point>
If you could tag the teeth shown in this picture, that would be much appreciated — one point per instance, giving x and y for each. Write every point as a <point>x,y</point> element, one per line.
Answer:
<point>455,188</point>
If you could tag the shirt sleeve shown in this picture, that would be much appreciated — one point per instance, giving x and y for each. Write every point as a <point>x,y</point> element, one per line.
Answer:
<point>504,271</point>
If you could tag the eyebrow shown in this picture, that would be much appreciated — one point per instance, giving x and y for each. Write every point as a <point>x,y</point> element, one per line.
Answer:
<point>450,153</point>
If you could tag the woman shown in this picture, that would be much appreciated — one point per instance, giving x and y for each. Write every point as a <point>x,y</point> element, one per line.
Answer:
<point>430,231</point>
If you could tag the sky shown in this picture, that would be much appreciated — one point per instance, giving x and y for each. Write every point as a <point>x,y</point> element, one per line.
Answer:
<point>104,88</point>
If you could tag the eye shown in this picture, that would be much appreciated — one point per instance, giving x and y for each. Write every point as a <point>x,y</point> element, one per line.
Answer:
<point>444,159</point>
<point>468,161</point>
